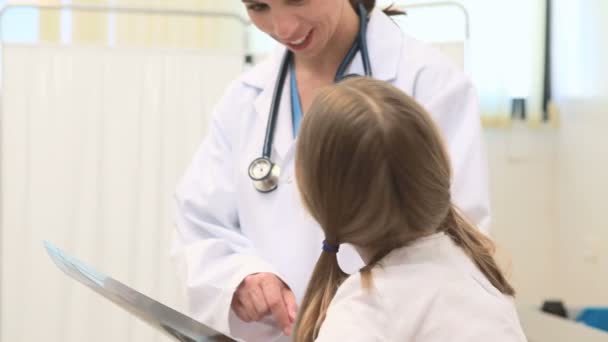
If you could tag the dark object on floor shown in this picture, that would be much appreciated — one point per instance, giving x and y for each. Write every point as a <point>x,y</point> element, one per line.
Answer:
<point>555,307</point>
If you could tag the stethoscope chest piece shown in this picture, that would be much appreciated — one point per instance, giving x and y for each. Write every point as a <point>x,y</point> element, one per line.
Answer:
<point>264,174</point>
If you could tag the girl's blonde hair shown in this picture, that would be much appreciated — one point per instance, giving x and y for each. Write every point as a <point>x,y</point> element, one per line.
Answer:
<point>373,171</point>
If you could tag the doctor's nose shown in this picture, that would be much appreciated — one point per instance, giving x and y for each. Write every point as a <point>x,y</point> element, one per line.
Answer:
<point>284,26</point>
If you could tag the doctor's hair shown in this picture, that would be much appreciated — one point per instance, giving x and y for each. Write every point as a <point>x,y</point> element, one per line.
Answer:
<point>373,171</point>
<point>370,4</point>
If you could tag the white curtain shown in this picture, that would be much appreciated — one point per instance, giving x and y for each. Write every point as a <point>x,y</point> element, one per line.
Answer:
<point>93,141</point>
<point>580,49</point>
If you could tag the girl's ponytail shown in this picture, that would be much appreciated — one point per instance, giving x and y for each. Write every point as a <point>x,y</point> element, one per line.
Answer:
<point>324,282</point>
<point>478,247</point>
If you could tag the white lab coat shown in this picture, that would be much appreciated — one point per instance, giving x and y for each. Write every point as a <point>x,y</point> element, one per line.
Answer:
<point>227,230</point>
<point>429,291</point>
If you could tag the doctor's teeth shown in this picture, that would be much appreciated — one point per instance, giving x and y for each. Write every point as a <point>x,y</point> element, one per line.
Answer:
<point>299,41</point>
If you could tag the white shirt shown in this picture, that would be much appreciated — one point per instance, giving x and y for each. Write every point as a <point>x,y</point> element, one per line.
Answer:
<point>227,230</point>
<point>429,291</point>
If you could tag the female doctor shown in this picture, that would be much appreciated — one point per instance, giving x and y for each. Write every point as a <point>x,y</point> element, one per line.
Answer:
<point>244,245</point>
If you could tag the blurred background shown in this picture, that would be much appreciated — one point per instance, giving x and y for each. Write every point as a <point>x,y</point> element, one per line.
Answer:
<point>101,111</point>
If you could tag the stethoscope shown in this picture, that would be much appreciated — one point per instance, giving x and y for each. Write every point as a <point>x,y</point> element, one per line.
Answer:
<point>262,171</point>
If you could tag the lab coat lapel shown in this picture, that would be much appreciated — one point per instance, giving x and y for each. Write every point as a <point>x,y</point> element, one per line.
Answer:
<point>265,78</point>
<point>384,43</point>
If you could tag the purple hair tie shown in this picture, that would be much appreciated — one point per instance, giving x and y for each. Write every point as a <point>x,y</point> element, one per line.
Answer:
<point>328,247</point>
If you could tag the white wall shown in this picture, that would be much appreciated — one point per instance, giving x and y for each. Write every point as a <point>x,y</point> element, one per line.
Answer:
<point>521,186</point>
<point>582,206</point>
<point>550,202</point>
<point>548,187</point>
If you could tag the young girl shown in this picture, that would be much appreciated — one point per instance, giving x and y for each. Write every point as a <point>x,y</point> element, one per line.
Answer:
<point>372,169</point>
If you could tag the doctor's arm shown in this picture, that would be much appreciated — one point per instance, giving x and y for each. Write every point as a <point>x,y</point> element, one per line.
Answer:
<point>449,96</point>
<point>213,257</point>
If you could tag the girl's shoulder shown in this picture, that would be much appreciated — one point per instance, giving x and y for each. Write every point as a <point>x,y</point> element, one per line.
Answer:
<point>426,300</point>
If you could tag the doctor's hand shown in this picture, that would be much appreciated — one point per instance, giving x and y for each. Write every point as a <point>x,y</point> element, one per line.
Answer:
<point>262,294</point>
